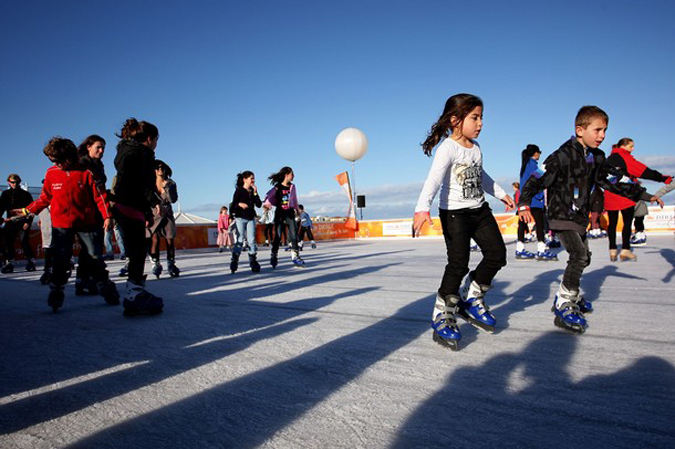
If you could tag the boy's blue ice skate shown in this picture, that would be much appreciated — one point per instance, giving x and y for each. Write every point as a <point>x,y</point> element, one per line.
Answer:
<point>638,239</point>
<point>546,256</point>
<point>524,255</point>
<point>568,314</point>
<point>297,261</point>
<point>444,321</point>
<point>473,309</point>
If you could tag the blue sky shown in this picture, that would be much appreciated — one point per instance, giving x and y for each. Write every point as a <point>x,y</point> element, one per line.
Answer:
<point>257,85</point>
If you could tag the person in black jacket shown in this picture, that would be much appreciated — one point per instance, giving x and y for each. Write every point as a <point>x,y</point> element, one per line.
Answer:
<point>134,197</point>
<point>16,198</point>
<point>572,172</point>
<point>244,202</point>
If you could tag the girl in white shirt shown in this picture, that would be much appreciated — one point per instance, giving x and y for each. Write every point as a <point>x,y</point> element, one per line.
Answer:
<point>457,170</point>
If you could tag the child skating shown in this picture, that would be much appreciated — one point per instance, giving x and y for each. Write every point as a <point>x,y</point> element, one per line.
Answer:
<point>224,240</point>
<point>285,199</point>
<point>306,227</point>
<point>457,170</point>
<point>572,171</point>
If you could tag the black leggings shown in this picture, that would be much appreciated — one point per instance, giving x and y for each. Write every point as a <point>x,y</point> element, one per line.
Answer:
<point>627,215</point>
<point>538,215</point>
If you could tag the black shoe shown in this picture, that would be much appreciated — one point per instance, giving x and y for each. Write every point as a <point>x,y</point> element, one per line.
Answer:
<point>55,299</point>
<point>30,266</point>
<point>46,277</point>
<point>109,292</point>
<point>8,268</point>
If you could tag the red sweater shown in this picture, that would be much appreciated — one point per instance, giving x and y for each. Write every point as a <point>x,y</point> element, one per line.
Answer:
<point>635,169</point>
<point>73,196</point>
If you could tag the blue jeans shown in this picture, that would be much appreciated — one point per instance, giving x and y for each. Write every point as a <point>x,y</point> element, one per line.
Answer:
<point>62,247</point>
<point>245,226</point>
<point>458,230</point>
<point>109,248</point>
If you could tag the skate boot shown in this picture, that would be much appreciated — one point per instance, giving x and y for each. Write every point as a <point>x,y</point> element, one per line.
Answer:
<point>8,268</point>
<point>313,244</point>
<point>473,309</point>
<point>56,295</point>
<point>173,270</point>
<point>300,245</point>
<point>46,277</point>
<point>524,255</point>
<point>156,267</point>
<point>139,301</point>
<point>639,239</point>
<point>234,263</point>
<point>568,314</point>
<point>444,321</point>
<point>627,255</point>
<point>85,287</point>
<point>108,290</point>
<point>253,262</point>
<point>30,265</point>
<point>613,255</point>
<point>273,260</point>
<point>546,256</point>
<point>297,261</point>
<point>124,271</point>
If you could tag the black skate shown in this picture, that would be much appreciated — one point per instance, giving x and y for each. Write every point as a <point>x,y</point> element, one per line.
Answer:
<point>253,262</point>
<point>139,301</point>
<point>273,260</point>
<point>234,263</point>
<point>46,277</point>
<point>55,298</point>
<point>85,287</point>
<point>108,290</point>
<point>30,266</point>
<point>156,268</point>
<point>173,270</point>
<point>124,271</point>
<point>8,268</point>
<point>313,245</point>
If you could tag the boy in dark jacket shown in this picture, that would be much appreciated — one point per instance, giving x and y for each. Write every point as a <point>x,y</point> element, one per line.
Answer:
<point>73,195</point>
<point>571,173</point>
<point>16,198</point>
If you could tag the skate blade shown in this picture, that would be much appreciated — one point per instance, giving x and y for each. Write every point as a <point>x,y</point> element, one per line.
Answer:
<point>573,329</point>
<point>453,345</point>
<point>475,323</point>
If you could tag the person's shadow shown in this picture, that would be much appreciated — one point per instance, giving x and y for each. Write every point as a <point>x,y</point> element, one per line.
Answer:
<point>530,399</point>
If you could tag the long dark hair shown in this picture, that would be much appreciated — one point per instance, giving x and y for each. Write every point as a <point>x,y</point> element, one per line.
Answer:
<point>83,150</point>
<point>278,177</point>
<point>458,106</point>
<point>243,175</point>
<point>164,166</point>
<point>138,131</point>
<point>526,155</point>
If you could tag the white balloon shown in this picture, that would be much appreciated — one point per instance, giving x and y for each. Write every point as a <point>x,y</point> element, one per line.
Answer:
<point>351,144</point>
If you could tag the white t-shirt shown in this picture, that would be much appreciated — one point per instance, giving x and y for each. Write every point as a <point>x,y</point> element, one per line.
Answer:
<point>458,172</point>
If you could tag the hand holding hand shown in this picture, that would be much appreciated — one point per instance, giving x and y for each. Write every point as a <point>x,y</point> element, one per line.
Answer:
<point>657,200</point>
<point>510,205</point>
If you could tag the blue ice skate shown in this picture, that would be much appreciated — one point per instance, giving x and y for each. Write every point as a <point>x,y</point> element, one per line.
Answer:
<point>524,255</point>
<point>444,321</point>
<point>546,256</point>
<point>297,260</point>
<point>568,314</point>
<point>638,239</point>
<point>472,307</point>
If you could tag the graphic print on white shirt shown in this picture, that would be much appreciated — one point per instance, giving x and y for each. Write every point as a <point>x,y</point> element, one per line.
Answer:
<point>469,179</point>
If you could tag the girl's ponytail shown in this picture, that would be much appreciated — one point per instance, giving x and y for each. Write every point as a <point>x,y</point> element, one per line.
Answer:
<point>526,155</point>
<point>138,131</point>
<point>457,106</point>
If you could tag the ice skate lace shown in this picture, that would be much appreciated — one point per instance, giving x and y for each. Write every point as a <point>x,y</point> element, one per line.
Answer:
<point>571,305</point>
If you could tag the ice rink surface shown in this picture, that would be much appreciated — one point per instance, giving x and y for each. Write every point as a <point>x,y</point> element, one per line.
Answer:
<point>339,355</point>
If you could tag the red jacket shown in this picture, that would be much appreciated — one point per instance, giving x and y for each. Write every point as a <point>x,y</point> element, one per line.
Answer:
<point>73,196</point>
<point>624,160</point>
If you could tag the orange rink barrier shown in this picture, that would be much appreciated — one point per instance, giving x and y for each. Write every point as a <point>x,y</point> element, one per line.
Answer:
<point>205,235</point>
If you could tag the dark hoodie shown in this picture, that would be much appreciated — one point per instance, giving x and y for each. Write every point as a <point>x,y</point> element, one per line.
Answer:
<point>135,180</point>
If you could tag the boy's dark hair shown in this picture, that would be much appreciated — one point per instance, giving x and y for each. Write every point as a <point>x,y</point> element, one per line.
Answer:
<point>89,141</point>
<point>589,113</point>
<point>243,175</point>
<point>60,150</point>
<point>138,131</point>
<point>164,166</point>
<point>15,177</point>
<point>458,106</point>
<point>301,207</point>
<point>278,177</point>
